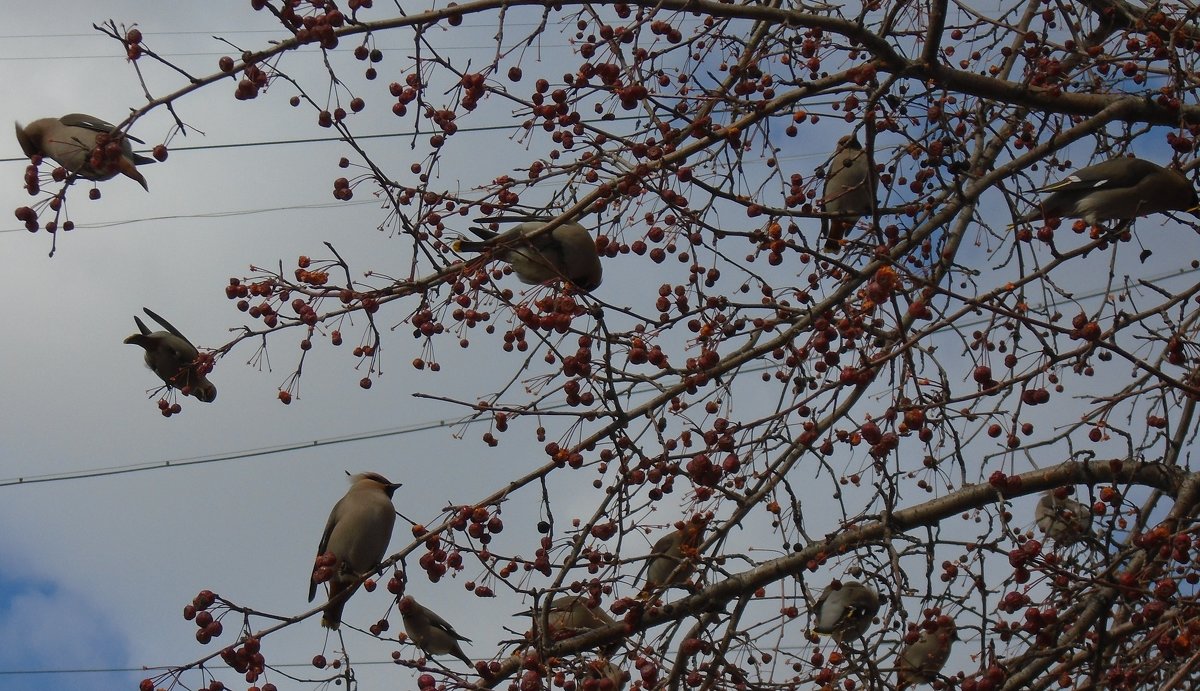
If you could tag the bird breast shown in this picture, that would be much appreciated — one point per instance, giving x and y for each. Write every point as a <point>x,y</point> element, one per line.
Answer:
<point>361,535</point>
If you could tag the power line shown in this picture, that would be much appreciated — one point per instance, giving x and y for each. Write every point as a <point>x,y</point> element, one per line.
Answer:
<point>149,670</point>
<point>211,214</point>
<point>236,455</point>
<point>97,34</point>
<point>151,33</point>
<point>217,54</point>
<point>315,140</point>
<point>379,434</point>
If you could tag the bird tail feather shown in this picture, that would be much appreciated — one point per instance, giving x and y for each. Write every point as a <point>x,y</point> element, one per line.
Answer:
<point>833,230</point>
<point>483,233</point>
<point>332,617</point>
<point>457,652</point>
<point>141,340</point>
<point>462,245</point>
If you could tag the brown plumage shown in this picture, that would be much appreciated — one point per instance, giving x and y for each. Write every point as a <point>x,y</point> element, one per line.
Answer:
<point>846,611</point>
<point>567,252</point>
<point>1116,189</point>
<point>922,660</point>
<point>173,358</point>
<point>73,141</point>
<point>573,615</point>
<point>1063,520</point>
<point>849,190</point>
<point>600,674</point>
<point>672,557</point>
<point>430,632</point>
<point>356,535</point>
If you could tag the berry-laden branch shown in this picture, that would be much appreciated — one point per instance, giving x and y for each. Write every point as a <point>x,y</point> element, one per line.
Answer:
<point>786,302</point>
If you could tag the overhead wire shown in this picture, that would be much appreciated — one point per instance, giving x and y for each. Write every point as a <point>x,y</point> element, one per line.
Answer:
<point>231,456</point>
<point>376,434</point>
<point>316,140</point>
<point>252,453</point>
<point>309,140</point>
<point>150,670</point>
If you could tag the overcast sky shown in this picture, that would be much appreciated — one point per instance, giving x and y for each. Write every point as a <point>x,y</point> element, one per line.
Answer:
<point>95,572</point>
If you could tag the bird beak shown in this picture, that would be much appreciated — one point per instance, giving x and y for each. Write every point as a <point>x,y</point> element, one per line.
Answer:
<point>1195,210</point>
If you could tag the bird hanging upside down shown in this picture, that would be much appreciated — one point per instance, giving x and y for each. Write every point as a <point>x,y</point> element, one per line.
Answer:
<point>84,145</point>
<point>173,358</point>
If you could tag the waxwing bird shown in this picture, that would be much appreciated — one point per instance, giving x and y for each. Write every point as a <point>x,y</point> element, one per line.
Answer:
<point>845,610</point>
<point>573,615</point>
<point>922,660</point>
<point>602,675</point>
<point>430,632</point>
<point>1117,189</point>
<point>73,141</point>
<point>173,358</point>
<point>671,557</point>
<point>356,538</point>
<point>849,190</point>
<point>567,252</point>
<point>1063,520</point>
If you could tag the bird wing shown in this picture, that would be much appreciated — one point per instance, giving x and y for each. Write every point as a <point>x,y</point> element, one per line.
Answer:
<point>166,325</point>
<point>483,233</point>
<point>141,326</point>
<point>436,620</point>
<point>549,250</point>
<point>663,545</point>
<point>823,624</point>
<point>185,353</point>
<point>1117,173</point>
<point>95,124</point>
<point>513,219</point>
<point>312,585</point>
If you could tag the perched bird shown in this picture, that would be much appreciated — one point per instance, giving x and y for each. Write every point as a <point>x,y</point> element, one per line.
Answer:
<point>430,632</point>
<point>74,142</point>
<point>602,675</point>
<point>567,252</point>
<point>173,358</point>
<point>671,557</point>
<point>1117,189</point>
<point>846,610</point>
<point>1062,519</point>
<point>356,536</point>
<point>922,659</point>
<point>849,190</point>
<point>573,615</point>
